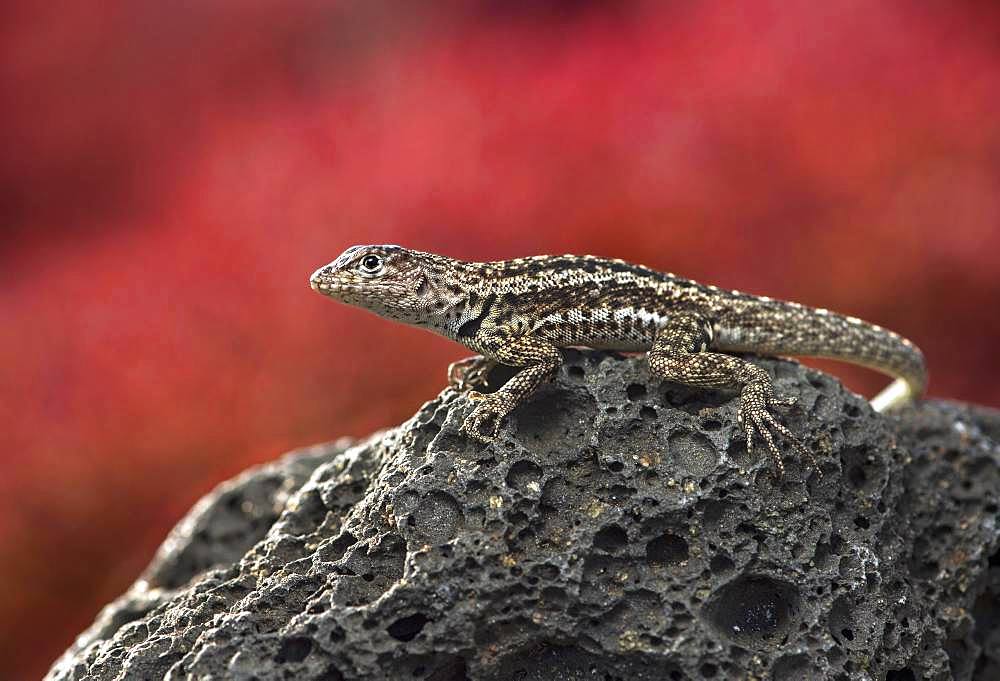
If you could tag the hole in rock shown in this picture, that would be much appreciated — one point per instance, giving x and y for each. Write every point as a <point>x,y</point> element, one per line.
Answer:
<point>841,620</point>
<point>522,474</point>
<point>611,539</point>
<point>856,476</point>
<point>792,668</point>
<point>721,564</point>
<point>294,649</point>
<point>635,391</point>
<point>668,549</point>
<point>452,668</point>
<point>754,610</point>
<point>437,518</point>
<point>407,628</point>
<point>693,452</point>
<point>331,673</point>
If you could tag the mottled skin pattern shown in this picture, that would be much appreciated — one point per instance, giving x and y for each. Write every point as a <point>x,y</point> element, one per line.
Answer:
<point>520,312</point>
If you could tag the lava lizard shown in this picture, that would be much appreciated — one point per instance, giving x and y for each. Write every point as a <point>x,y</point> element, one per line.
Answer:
<point>520,312</point>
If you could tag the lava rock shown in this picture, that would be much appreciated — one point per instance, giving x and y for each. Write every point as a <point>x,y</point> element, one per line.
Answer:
<point>617,529</point>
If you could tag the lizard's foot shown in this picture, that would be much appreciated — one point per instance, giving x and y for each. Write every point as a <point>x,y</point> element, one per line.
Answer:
<point>483,423</point>
<point>466,374</point>
<point>755,417</point>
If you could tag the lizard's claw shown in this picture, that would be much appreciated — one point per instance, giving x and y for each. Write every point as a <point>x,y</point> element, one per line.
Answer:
<point>755,418</point>
<point>483,423</point>
<point>466,374</point>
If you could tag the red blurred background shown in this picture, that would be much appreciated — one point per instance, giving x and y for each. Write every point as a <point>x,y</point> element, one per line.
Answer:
<point>172,172</point>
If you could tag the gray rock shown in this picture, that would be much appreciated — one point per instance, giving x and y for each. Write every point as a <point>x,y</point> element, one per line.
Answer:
<point>617,530</point>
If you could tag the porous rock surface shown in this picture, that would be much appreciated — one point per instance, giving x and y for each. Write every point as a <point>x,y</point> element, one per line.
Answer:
<point>617,530</point>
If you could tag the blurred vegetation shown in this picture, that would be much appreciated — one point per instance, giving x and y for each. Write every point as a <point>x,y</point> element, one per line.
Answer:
<point>172,174</point>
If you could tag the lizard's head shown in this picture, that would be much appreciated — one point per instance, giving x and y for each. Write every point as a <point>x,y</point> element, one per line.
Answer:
<point>390,281</point>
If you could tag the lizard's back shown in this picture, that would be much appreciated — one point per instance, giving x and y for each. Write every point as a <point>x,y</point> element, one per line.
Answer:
<point>586,300</point>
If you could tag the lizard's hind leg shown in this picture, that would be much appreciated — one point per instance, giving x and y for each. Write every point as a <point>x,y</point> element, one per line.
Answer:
<point>680,354</point>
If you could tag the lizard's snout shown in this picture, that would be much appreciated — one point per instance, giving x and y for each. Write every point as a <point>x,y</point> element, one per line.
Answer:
<point>320,279</point>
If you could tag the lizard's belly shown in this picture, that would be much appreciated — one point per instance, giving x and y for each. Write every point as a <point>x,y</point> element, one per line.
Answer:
<point>623,329</point>
<point>615,344</point>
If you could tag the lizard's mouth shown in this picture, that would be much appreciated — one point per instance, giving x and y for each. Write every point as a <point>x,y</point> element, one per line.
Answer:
<point>320,280</point>
<point>328,288</point>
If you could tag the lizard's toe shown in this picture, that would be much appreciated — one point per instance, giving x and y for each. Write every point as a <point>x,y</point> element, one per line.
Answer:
<point>756,418</point>
<point>483,423</point>
<point>784,402</point>
<point>755,424</point>
<point>772,423</point>
<point>749,433</point>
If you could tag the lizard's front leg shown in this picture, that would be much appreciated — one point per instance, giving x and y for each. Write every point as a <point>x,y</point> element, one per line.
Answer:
<point>540,360</point>
<point>680,354</point>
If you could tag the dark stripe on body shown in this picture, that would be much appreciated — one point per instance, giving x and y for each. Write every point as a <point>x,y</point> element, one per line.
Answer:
<point>471,327</point>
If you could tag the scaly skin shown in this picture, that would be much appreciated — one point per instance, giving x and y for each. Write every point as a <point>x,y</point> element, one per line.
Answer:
<point>520,312</point>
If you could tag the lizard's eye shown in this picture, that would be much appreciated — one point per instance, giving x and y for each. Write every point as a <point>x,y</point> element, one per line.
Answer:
<point>370,264</point>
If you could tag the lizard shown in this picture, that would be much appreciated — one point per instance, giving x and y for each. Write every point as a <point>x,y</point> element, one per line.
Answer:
<point>521,312</point>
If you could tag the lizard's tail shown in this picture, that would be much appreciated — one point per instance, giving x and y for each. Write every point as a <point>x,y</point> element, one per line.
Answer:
<point>812,332</point>
<point>896,394</point>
